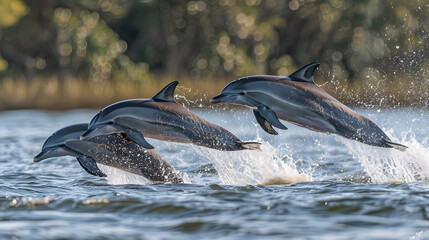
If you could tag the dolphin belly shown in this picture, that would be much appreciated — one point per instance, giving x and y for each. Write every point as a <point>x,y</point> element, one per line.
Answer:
<point>138,160</point>
<point>188,128</point>
<point>315,124</point>
<point>303,117</point>
<point>115,151</point>
<point>352,125</point>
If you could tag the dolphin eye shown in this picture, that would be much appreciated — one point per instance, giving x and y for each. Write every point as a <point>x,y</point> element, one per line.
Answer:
<point>242,93</point>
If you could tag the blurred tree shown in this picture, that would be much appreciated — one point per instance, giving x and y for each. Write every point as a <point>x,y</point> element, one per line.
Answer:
<point>10,12</point>
<point>69,38</point>
<point>353,39</point>
<point>122,39</point>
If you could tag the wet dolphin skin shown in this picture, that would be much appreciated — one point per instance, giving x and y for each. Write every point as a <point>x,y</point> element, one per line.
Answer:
<point>162,118</point>
<point>112,150</point>
<point>298,100</point>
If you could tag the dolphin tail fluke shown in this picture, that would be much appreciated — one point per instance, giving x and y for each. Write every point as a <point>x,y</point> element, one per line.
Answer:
<point>250,146</point>
<point>397,146</point>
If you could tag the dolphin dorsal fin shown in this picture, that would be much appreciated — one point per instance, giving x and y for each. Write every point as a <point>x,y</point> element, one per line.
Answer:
<point>167,93</point>
<point>305,74</point>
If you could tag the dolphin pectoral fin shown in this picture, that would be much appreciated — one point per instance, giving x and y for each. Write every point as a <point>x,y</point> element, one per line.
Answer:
<point>397,146</point>
<point>89,148</point>
<point>250,145</point>
<point>138,138</point>
<point>167,93</point>
<point>265,125</point>
<point>89,164</point>
<point>305,74</point>
<point>270,116</point>
<point>123,124</point>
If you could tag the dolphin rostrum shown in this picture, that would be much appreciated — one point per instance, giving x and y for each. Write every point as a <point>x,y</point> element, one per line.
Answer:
<point>111,150</point>
<point>297,99</point>
<point>162,118</point>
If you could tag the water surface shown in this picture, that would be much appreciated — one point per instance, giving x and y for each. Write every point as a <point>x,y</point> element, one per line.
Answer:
<point>325,187</point>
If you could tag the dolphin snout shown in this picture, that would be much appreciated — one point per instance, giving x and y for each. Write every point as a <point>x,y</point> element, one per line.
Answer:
<point>39,157</point>
<point>222,98</point>
<point>50,153</point>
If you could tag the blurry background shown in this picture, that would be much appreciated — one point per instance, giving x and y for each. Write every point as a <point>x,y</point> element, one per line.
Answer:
<point>60,54</point>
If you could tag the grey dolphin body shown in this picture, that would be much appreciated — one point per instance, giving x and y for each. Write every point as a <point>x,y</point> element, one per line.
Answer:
<point>297,99</point>
<point>111,150</point>
<point>162,118</point>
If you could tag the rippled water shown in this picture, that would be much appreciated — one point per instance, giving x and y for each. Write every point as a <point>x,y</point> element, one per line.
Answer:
<point>325,187</point>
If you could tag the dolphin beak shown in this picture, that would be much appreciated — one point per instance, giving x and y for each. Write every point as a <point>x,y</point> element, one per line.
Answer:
<point>223,98</point>
<point>39,157</point>
<point>50,153</point>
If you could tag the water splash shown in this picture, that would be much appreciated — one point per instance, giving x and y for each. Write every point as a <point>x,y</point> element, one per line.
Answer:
<point>385,165</point>
<point>267,167</point>
<point>253,167</point>
<point>119,177</point>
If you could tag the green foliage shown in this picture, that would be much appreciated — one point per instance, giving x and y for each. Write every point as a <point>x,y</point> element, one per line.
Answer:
<point>10,12</point>
<point>105,40</point>
<point>84,39</point>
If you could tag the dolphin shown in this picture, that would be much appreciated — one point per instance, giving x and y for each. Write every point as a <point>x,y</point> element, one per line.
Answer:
<point>298,100</point>
<point>113,150</point>
<point>162,118</point>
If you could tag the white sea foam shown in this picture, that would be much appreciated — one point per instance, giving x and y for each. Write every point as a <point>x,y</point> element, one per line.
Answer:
<point>119,177</point>
<point>384,165</point>
<point>253,167</point>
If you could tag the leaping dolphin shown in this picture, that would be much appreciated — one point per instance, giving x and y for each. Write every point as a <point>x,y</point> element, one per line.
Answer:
<point>297,99</point>
<point>111,150</point>
<point>162,118</point>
